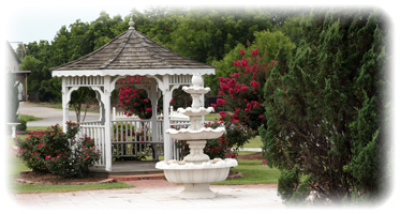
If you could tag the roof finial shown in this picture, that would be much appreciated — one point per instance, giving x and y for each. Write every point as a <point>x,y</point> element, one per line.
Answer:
<point>131,24</point>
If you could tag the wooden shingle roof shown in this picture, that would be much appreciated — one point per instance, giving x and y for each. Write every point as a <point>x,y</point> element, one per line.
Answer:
<point>132,51</point>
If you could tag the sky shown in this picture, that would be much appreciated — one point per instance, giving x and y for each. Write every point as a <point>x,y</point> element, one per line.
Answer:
<point>34,20</point>
<point>29,21</point>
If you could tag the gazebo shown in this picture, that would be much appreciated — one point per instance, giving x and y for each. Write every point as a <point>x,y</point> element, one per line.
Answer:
<point>131,54</point>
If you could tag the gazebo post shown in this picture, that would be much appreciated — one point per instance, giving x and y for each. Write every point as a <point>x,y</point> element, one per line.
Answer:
<point>101,107</point>
<point>166,99</point>
<point>153,96</point>
<point>65,103</point>
<point>106,99</point>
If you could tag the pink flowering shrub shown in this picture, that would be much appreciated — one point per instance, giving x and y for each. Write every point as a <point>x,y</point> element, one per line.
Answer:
<point>242,93</point>
<point>51,152</point>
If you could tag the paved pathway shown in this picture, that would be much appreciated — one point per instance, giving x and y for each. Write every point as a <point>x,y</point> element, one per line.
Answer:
<point>156,194</point>
<point>50,116</point>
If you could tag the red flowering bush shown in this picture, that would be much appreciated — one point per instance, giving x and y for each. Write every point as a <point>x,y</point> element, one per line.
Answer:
<point>242,92</point>
<point>51,152</point>
<point>135,100</point>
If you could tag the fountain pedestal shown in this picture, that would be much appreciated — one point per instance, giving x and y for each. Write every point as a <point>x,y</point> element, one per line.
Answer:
<point>193,191</point>
<point>196,154</point>
<point>196,171</point>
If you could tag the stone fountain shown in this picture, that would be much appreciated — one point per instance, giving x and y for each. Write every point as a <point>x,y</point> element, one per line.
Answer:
<point>196,171</point>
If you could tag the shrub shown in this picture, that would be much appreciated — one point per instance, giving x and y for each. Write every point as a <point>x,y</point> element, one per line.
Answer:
<point>22,126</point>
<point>59,153</point>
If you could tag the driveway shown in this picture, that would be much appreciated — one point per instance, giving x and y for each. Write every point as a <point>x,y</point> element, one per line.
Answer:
<point>50,116</point>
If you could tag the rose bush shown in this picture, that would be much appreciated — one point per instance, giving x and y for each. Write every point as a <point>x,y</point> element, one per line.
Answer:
<point>51,151</point>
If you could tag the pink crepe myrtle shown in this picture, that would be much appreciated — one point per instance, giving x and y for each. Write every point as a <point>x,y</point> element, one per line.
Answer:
<point>242,91</point>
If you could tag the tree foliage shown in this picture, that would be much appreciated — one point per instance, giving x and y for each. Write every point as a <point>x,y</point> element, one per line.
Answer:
<point>326,107</point>
<point>201,34</point>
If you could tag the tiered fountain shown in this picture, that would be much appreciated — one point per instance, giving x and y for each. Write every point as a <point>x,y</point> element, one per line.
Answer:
<point>196,171</point>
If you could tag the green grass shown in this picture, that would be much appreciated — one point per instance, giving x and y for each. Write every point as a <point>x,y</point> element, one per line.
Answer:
<point>28,118</point>
<point>254,143</point>
<point>211,117</point>
<point>29,188</point>
<point>36,128</point>
<point>253,172</point>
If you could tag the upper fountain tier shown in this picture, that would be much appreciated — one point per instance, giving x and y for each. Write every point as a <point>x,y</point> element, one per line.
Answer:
<point>196,90</point>
<point>192,112</point>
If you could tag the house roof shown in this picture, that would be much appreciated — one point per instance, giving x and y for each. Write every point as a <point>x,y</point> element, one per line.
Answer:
<point>132,53</point>
<point>12,53</point>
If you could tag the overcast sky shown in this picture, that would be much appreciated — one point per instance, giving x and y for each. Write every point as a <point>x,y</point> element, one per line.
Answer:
<point>35,20</point>
<point>29,21</point>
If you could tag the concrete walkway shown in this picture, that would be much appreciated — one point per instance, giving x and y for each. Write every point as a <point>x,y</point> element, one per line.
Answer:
<point>50,116</point>
<point>156,194</point>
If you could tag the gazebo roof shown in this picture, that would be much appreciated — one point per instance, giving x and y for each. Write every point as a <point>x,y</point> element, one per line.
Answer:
<point>131,53</point>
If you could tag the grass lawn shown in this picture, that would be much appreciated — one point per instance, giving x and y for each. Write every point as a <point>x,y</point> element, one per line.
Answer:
<point>28,118</point>
<point>253,172</point>
<point>36,128</point>
<point>211,116</point>
<point>254,143</point>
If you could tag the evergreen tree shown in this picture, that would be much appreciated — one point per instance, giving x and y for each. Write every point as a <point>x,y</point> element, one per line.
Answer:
<point>325,108</point>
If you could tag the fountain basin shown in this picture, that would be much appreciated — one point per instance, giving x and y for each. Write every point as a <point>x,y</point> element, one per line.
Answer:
<point>200,134</point>
<point>207,172</point>
<point>196,177</point>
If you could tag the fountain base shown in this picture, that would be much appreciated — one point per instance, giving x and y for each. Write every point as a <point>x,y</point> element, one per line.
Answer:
<point>197,191</point>
<point>196,177</point>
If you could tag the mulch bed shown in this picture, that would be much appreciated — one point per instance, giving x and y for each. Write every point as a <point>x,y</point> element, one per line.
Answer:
<point>253,156</point>
<point>28,132</point>
<point>30,177</point>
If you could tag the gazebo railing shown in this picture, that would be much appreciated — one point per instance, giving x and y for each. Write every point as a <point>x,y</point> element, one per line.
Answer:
<point>131,138</point>
<point>96,131</point>
<point>135,138</point>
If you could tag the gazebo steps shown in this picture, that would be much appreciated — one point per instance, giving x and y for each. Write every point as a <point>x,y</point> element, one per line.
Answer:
<point>128,168</point>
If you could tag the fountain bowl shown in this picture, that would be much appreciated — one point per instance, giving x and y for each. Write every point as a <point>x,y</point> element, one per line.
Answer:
<point>201,134</point>
<point>197,177</point>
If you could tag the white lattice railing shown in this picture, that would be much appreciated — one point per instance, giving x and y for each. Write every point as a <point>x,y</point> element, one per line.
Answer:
<point>131,138</point>
<point>135,138</point>
<point>96,131</point>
